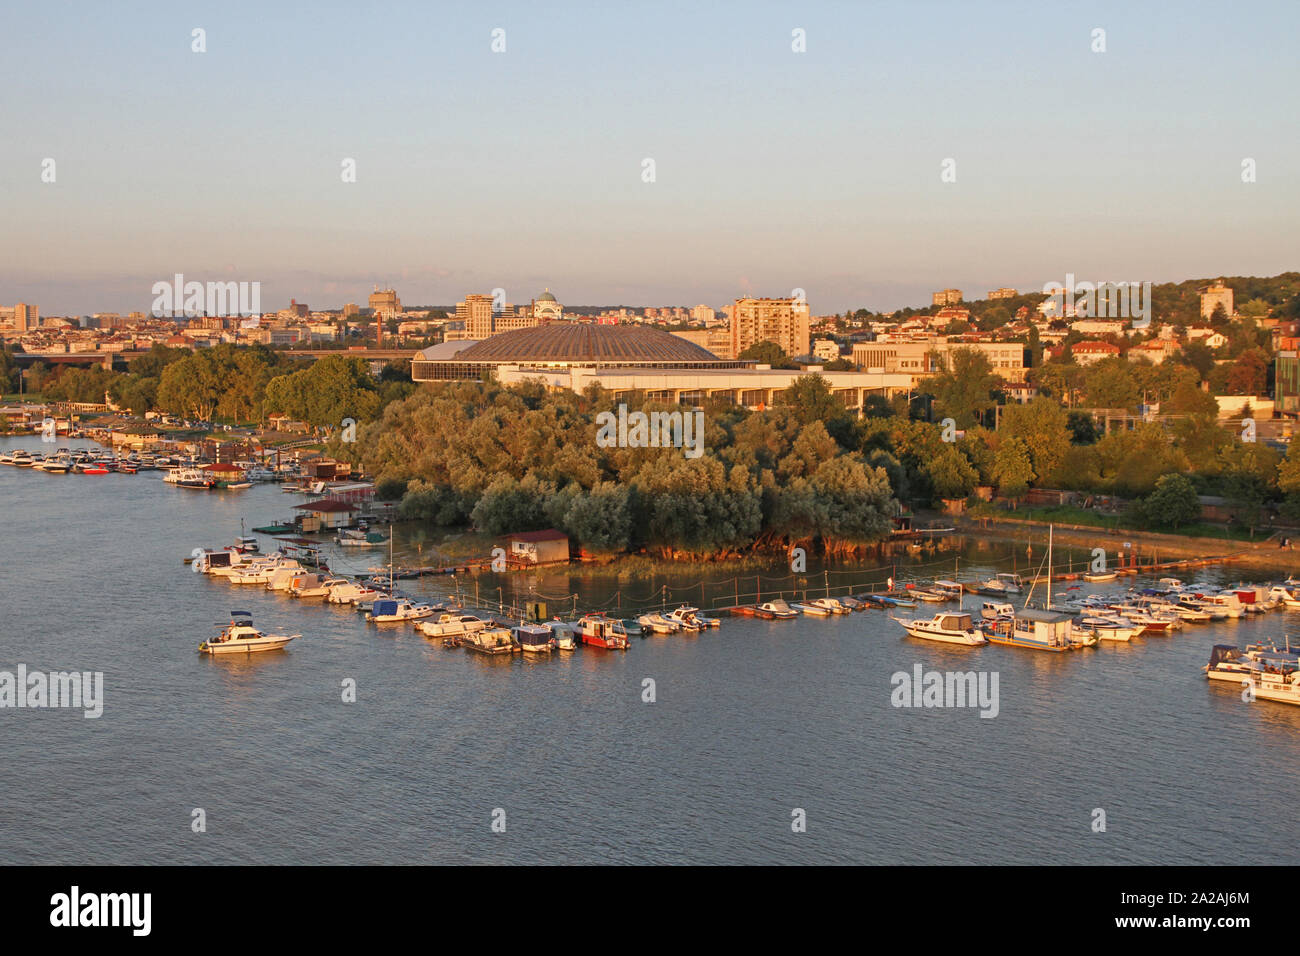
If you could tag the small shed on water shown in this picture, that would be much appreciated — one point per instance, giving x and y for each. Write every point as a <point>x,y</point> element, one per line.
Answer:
<point>327,513</point>
<point>538,547</point>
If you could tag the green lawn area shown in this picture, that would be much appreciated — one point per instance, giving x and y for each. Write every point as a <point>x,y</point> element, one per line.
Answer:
<point>1068,514</point>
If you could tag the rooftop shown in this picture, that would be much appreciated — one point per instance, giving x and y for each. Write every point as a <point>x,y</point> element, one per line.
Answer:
<point>583,342</point>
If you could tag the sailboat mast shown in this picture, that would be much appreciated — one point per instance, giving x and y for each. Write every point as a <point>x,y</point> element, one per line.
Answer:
<point>1050,530</point>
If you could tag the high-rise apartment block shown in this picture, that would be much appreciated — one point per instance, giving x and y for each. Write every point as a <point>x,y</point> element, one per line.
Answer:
<point>947,297</point>
<point>20,318</point>
<point>1217,294</point>
<point>476,312</point>
<point>384,302</point>
<point>782,321</point>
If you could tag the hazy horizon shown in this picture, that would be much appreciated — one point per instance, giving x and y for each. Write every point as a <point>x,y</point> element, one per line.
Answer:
<point>774,169</point>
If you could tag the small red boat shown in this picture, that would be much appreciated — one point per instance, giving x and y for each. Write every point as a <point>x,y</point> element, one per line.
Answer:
<point>95,470</point>
<point>597,630</point>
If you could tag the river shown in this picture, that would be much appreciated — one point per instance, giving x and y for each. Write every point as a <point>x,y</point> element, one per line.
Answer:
<point>755,727</point>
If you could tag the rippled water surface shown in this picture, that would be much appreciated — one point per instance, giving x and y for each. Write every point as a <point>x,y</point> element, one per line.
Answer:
<point>751,721</point>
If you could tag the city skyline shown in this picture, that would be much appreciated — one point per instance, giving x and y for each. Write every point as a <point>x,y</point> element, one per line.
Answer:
<point>524,169</point>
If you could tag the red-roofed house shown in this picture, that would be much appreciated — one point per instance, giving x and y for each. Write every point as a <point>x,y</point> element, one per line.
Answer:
<point>1088,353</point>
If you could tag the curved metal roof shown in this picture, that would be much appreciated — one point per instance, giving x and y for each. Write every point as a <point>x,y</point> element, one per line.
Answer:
<point>587,342</point>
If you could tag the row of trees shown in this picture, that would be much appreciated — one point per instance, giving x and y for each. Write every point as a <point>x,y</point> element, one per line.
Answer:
<point>237,384</point>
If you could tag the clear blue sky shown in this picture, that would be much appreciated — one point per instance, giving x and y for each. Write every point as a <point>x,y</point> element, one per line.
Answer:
<point>522,169</point>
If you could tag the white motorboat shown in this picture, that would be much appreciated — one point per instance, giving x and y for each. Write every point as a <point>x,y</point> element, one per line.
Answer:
<point>1098,577</point>
<point>1109,628</point>
<point>188,478</point>
<point>832,604</point>
<point>218,562</point>
<point>811,607</point>
<point>997,611</point>
<point>350,592</point>
<point>691,619</point>
<point>777,609</point>
<point>282,576</point>
<point>952,589</point>
<point>257,573</point>
<point>658,624</point>
<point>563,635</point>
<point>685,618</point>
<point>312,585</point>
<point>454,625</point>
<point>240,637</point>
<point>1228,602</point>
<point>946,628</point>
<point>394,610</point>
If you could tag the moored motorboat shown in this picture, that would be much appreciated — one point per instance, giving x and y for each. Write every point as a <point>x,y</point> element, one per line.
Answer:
<point>1109,628</point>
<point>396,610</point>
<point>596,630</point>
<point>813,608</point>
<point>947,628</point>
<point>488,640</point>
<point>685,618</point>
<point>776,610</point>
<point>628,627</point>
<point>1098,577</point>
<point>532,638</point>
<point>656,624</point>
<point>563,635</point>
<point>454,624</point>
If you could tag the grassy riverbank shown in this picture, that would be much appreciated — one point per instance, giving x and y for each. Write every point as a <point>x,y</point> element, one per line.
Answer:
<point>1083,517</point>
<point>1149,546</point>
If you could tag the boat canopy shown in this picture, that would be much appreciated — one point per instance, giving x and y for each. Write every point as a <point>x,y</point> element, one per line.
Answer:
<point>382,608</point>
<point>1224,652</point>
<point>956,622</point>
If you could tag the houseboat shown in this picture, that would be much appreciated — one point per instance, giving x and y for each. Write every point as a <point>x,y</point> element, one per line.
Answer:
<point>1034,629</point>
